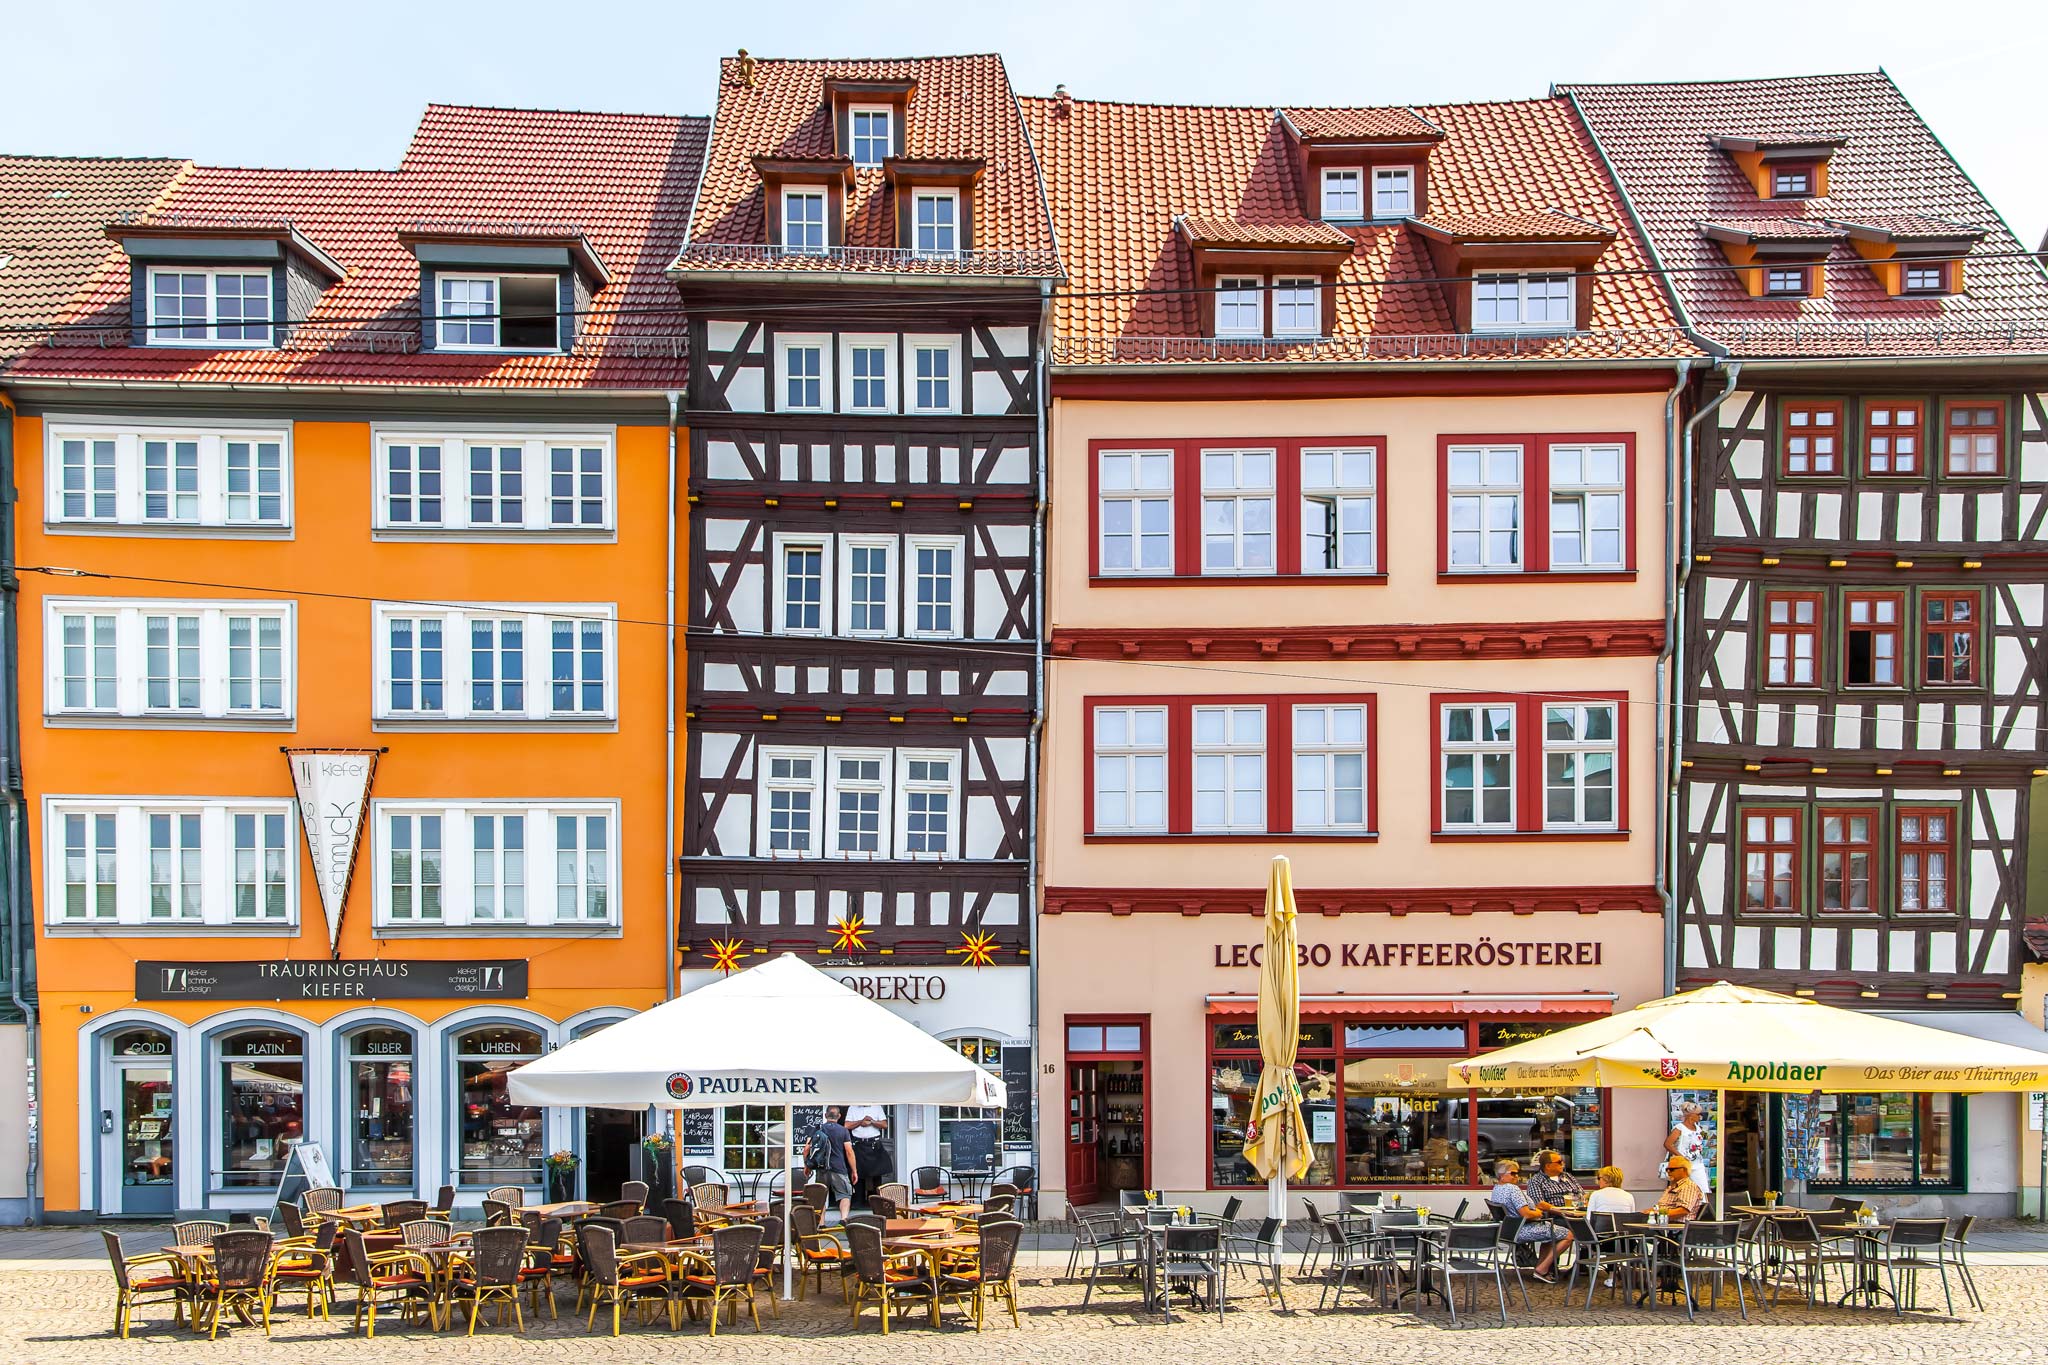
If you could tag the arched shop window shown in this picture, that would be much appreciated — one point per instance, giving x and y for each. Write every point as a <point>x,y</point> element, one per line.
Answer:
<point>379,1073</point>
<point>143,1083</point>
<point>986,1053</point>
<point>497,1142</point>
<point>263,1105</point>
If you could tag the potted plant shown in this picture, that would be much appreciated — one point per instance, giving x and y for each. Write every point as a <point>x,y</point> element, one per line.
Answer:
<point>561,1171</point>
<point>660,1173</point>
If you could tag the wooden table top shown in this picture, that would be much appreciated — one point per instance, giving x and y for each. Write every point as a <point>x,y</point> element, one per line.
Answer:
<point>1770,1210</point>
<point>949,1242</point>
<point>189,1251</point>
<point>907,1227</point>
<point>565,1209</point>
<point>947,1210</point>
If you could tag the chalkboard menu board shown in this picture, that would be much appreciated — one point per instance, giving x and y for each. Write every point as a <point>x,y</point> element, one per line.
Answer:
<point>1017,1080</point>
<point>974,1145</point>
<point>806,1117</point>
<point>700,1131</point>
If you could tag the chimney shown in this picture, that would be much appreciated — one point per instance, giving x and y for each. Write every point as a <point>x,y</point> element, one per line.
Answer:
<point>747,65</point>
<point>1062,100</point>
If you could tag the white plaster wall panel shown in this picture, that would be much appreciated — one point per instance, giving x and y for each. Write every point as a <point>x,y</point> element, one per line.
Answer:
<point>1805,726</point>
<point>1012,465</point>
<point>1909,515</point>
<point>1848,726</point>
<point>1863,950</point>
<point>1827,516</point>
<point>1727,516</point>
<point>1748,947</point>
<point>888,462</point>
<point>722,461</point>
<point>1903,942</point>
<point>1712,876</point>
<point>1821,948</point>
<point>1969,727</point>
<point>2008,666</point>
<point>711,907</point>
<point>1948,517</point>
<point>1891,726</point>
<point>1785,521</point>
<point>1983,883</point>
<point>748,391</point>
<point>1990,517</point>
<point>1695,950</point>
<point>1869,515</point>
<point>1941,951</point>
<point>723,678</point>
<point>1785,948</point>
<point>1768,719</point>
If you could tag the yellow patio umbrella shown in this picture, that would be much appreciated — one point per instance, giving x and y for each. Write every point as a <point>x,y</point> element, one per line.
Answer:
<point>1277,1143</point>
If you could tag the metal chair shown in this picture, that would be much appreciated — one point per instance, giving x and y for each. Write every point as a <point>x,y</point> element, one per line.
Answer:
<point>1473,1252</point>
<point>1023,1183</point>
<point>929,1182</point>
<point>729,1276</point>
<point>1226,1219</point>
<point>1192,1255</point>
<point>1258,1254</point>
<point>818,1249</point>
<point>1354,1201</point>
<point>1597,1256</point>
<point>238,1278</point>
<point>490,1274</point>
<point>403,1277</point>
<point>1911,1247</point>
<point>1355,1252</point>
<point>1807,1254</point>
<point>165,1282</point>
<point>514,1195</point>
<point>639,1278</point>
<point>196,1232</point>
<point>1118,1249</point>
<point>1319,1241</point>
<point>694,1175</point>
<point>401,1211</point>
<point>1958,1248</point>
<point>992,1276</point>
<point>1712,1250</point>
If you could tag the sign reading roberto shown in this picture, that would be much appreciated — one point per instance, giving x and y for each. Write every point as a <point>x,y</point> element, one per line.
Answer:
<point>336,979</point>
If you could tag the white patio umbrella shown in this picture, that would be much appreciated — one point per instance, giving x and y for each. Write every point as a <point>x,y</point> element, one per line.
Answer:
<point>781,1033</point>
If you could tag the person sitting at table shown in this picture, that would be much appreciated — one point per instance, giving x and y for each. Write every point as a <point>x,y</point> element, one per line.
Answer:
<point>1610,1197</point>
<point>1552,1184</point>
<point>1682,1195</point>
<point>1515,1204</point>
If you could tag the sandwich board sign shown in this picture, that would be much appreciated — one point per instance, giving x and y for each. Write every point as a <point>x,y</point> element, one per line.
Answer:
<point>305,1168</point>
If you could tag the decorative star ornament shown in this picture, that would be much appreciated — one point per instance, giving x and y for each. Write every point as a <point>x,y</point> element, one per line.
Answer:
<point>727,952</point>
<point>977,948</point>
<point>850,935</point>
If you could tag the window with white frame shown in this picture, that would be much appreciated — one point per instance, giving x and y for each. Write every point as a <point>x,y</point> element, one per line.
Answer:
<point>1135,488</point>
<point>1297,307</point>
<point>172,863</point>
<point>482,663</point>
<point>860,791</point>
<point>857,803</point>
<point>1587,485</point>
<point>173,481</point>
<point>1230,768</point>
<point>1329,769</point>
<point>484,864</point>
<point>218,663</point>
<point>1485,491</point>
<point>934,608</point>
<point>868,386</point>
<point>1237,511</point>
<point>867,578</point>
<point>497,312</point>
<point>801,570</point>
<point>196,307</point>
<point>1343,192</point>
<point>927,801</point>
<point>1581,750</point>
<point>934,366</point>
<point>510,483</point>
<point>1240,306</point>
<point>872,144</point>
<point>1393,191</point>
<point>1130,769</point>
<point>792,793</point>
<point>1529,302</point>
<point>1478,777</point>
<point>936,222</point>
<point>1339,510</point>
<point>805,387</point>
<point>803,219</point>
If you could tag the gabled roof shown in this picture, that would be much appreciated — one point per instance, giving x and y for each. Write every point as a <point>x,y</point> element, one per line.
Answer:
<point>1229,232</point>
<point>1751,229</point>
<point>1121,176</point>
<point>144,227</point>
<point>1386,124</point>
<point>1660,140</point>
<point>1520,225</point>
<point>54,211</point>
<point>962,110</point>
<point>620,181</point>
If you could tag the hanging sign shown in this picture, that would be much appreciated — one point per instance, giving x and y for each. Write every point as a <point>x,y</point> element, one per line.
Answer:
<point>333,786</point>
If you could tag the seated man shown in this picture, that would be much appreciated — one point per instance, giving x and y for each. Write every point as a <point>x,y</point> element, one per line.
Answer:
<point>1610,1197</point>
<point>1514,1204</point>
<point>1682,1197</point>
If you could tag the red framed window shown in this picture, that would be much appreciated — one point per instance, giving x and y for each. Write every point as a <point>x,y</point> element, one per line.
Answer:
<point>1975,445</point>
<point>1791,646</point>
<point>1873,626</point>
<point>1848,857</point>
<point>1772,839</point>
<point>1810,440</point>
<point>1521,766</point>
<point>1893,440</point>
<point>1557,503</point>
<point>1927,859</point>
<point>1950,626</point>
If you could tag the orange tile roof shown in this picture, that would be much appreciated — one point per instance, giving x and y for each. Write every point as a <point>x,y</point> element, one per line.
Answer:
<point>623,181</point>
<point>963,108</point>
<point>1229,232</point>
<point>1367,125</point>
<point>1118,175</point>
<point>1516,226</point>
<point>53,212</point>
<point>1659,139</point>
<point>1765,228</point>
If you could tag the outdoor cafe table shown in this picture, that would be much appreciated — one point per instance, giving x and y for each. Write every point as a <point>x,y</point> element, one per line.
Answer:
<point>567,1208</point>
<point>912,1227</point>
<point>934,1246</point>
<point>737,1212</point>
<point>359,1215</point>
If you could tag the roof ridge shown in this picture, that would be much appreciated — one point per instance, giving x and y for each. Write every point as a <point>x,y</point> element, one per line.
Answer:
<point>1736,80</point>
<point>97,157</point>
<point>545,109</point>
<point>855,61</point>
<point>1154,104</point>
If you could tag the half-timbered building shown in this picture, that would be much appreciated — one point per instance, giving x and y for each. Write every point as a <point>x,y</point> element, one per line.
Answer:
<point>866,275</point>
<point>1860,740</point>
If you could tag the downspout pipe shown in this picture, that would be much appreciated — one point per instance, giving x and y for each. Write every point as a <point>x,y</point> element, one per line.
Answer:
<point>668,864</point>
<point>21,930</point>
<point>1731,373</point>
<point>1034,882</point>
<point>1664,656</point>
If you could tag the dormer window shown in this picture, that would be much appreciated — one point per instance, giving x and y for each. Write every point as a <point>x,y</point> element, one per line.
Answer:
<point>221,286</point>
<point>1343,193</point>
<point>872,140</point>
<point>1239,309</point>
<point>209,307</point>
<point>803,219</point>
<point>497,313</point>
<point>938,222</point>
<point>1792,182</point>
<point>502,286</point>
<point>1927,279</point>
<point>1393,191</point>
<point>1297,307</point>
<point>1788,281</point>
<point>1522,302</point>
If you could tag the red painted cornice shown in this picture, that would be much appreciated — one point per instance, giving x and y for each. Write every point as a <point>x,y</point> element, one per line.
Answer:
<point>1456,640</point>
<point>1426,900</point>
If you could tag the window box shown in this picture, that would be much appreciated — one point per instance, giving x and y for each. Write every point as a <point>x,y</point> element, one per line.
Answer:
<point>481,867</point>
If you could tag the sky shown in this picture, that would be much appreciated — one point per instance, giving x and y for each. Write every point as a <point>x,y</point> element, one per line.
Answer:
<point>342,84</point>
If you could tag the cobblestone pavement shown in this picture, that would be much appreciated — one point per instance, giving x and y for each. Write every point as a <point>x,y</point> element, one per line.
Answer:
<point>62,1315</point>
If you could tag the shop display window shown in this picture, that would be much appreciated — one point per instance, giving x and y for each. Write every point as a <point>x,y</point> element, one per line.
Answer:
<point>500,1143</point>
<point>1891,1139</point>
<point>262,1097</point>
<point>380,1074</point>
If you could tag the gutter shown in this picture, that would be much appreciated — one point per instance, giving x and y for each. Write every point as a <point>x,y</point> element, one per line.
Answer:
<point>21,929</point>
<point>1032,880</point>
<point>1661,830</point>
<point>668,862</point>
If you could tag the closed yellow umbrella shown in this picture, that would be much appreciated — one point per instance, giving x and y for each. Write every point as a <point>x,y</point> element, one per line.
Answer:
<point>1277,1143</point>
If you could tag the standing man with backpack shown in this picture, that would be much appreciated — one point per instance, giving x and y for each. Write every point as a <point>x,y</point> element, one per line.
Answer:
<point>829,1156</point>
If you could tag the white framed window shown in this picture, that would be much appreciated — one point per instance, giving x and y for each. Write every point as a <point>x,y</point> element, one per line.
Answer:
<point>859,800</point>
<point>1587,487</point>
<point>1135,511</point>
<point>1240,306</point>
<point>229,306</point>
<point>1478,776</point>
<point>1340,510</point>
<point>175,863</point>
<point>803,218</point>
<point>1536,302</point>
<point>1393,191</point>
<point>476,865</point>
<point>1297,307</point>
<point>788,823</point>
<point>503,663</point>
<point>935,222</point>
<point>497,312</point>
<point>867,585</point>
<point>492,484</point>
<point>1330,761</point>
<point>1485,491</point>
<point>1130,769</point>
<point>934,374</point>
<point>803,579</point>
<point>1581,750</point>
<point>1343,192</point>
<point>211,664</point>
<point>1237,511</point>
<point>933,570</point>
<point>168,481</point>
<point>805,385</point>
<point>869,126</point>
<point>1230,768</point>
<point>928,803</point>
<point>867,362</point>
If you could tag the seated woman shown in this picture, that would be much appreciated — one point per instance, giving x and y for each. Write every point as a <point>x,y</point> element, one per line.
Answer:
<point>1610,1197</point>
<point>1513,1203</point>
<point>1682,1197</point>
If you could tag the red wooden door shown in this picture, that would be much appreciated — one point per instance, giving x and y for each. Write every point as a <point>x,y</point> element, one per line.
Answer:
<point>1084,1133</point>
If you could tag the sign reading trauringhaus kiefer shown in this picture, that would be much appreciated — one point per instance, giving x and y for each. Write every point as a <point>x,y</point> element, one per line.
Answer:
<point>332,979</point>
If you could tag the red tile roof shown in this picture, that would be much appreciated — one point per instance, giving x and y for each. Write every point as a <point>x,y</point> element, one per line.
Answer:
<point>1517,226</point>
<point>1907,227</point>
<point>623,181</point>
<point>53,213</point>
<point>1118,175</point>
<point>1660,141</point>
<point>962,109</point>
<point>1366,125</point>
<point>1768,229</point>
<point>1230,232</point>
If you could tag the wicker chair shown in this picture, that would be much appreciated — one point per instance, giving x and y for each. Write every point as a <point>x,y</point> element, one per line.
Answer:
<point>294,1224</point>
<point>929,1182</point>
<point>141,1281</point>
<point>712,1194</point>
<point>490,1274</point>
<point>694,1175</point>
<point>817,1194</point>
<point>636,1190</point>
<point>444,1199</point>
<point>818,1249</point>
<point>196,1232</point>
<point>319,1202</point>
<point>770,1259</point>
<point>514,1195</point>
<point>238,1278</point>
<point>885,1280</point>
<point>897,1191</point>
<point>544,1261</point>
<point>1004,1204</point>
<point>1024,1181</point>
<point>883,1205</point>
<point>401,1278</point>
<point>621,1209</point>
<point>642,1227</point>
<point>305,1265</point>
<point>682,1218</point>
<point>992,1275</point>
<point>426,1232</point>
<point>640,1278</point>
<point>729,1276</point>
<point>498,1213</point>
<point>399,1212</point>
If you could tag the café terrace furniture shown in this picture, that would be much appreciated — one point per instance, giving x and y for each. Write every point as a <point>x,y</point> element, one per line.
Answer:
<point>1120,1250</point>
<point>1354,1201</point>
<point>444,1200</point>
<point>1319,1241</point>
<point>817,1194</point>
<point>928,1182</point>
<point>995,1203</point>
<point>618,1279</point>
<point>992,1275</point>
<point>489,1274</point>
<point>711,1194</point>
<point>196,1232</point>
<point>401,1211</point>
<point>622,1208</point>
<point>143,1281</point>
<point>770,1259</point>
<point>1192,1255</point>
<point>425,1232</point>
<point>1023,1182</point>
<point>515,1195</point>
<point>1711,1251</point>
<point>818,1249</point>
<point>237,1277</point>
<point>1226,1219</point>
<point>545,1259</point>
<point>1087,1230</point>
<point>294,1224</point>
<point>897,1191</point>
<point>1912,1247</point>
<point>694,1175</point>
<point>1367,1256</point>
<point>320,1200</point>
<point>888,1278</point>
<point>1258,1256</point>
<point>498,1213</point>
<point>636,1190</point>
<point>884,1206</point>
<point>1599,1257</point>
<point>1959,1253</point>
<point>1474,1252</point>
<point>305,1265</point>
<point>400,1278</point>
<point>730,1276</point>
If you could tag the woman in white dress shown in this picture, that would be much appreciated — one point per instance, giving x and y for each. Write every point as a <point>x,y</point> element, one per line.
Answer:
<point>1689,1140</point>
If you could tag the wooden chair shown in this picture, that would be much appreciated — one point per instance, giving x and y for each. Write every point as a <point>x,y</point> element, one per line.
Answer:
<point>490,1274</point>
<point>398,1277</point>
<point>305,1265</point>
<point>141,1281</point>
<point>512,1195</point>
<point>991,1276</point>
<point>884,1279</point>
<point>239,1278</point>
<point>818,1249</point>
<point>640,1278</point>
<point>729,1276</point>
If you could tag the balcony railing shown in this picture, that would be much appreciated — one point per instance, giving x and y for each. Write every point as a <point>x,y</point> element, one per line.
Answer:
<point>1881,337</point>
<point>1593,343</point>
<point>759,256</point>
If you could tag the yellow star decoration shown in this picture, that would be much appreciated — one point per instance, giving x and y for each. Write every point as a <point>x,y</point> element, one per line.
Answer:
<point>977,949</point>
<point>850,935</point>
<point>727,952</point>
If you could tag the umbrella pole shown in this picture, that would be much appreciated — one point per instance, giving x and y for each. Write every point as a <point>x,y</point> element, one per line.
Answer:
<point>1276,1207</point>
<point>1720,1153</point>
<point>788,1177</point>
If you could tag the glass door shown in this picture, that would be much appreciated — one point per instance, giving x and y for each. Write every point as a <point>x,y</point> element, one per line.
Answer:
<point>148,1167</point>
<point>1084,1133</point>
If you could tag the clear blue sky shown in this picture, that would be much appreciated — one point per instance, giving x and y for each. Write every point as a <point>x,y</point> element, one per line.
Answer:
<point>298,84</point>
